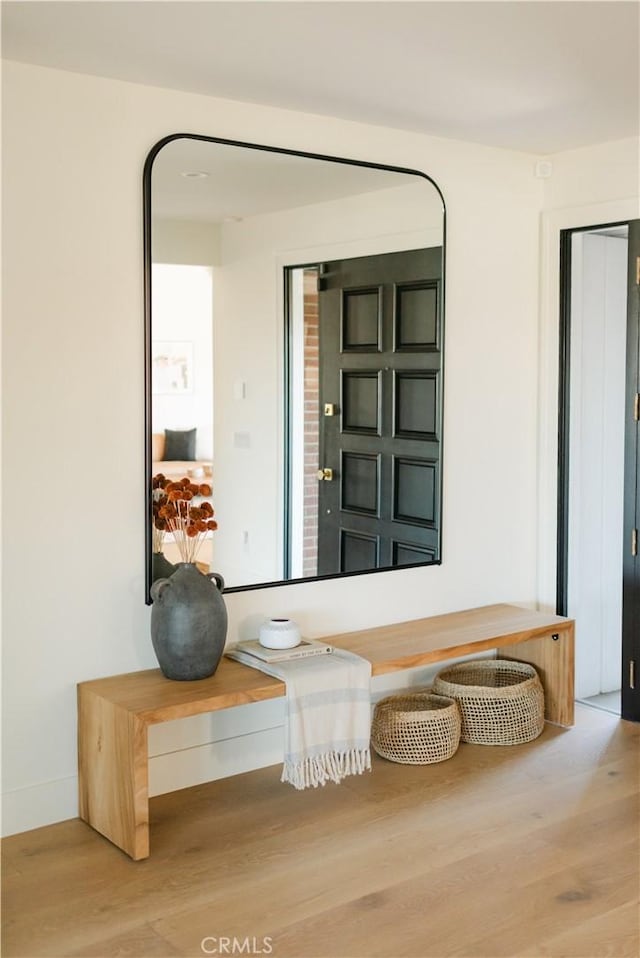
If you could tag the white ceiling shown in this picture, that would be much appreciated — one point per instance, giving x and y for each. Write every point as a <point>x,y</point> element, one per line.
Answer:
<point>534,76</point>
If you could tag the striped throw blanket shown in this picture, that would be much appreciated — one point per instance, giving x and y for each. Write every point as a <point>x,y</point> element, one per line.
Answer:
<point>327,717</point>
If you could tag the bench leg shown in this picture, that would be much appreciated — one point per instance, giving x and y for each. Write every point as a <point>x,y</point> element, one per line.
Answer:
<point>554,660</point>
<point>113,773</point>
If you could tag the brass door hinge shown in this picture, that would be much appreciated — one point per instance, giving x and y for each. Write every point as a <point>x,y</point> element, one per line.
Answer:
<point>632,674</point>
<point>634,542</point>
<point>637,270</point>
<point>636,407</point>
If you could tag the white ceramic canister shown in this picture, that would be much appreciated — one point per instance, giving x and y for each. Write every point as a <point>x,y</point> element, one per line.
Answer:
<point>279,634</point>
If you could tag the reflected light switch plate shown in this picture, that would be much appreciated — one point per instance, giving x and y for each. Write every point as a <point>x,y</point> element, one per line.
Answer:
<point>242,440</point>
<point>239,389</point>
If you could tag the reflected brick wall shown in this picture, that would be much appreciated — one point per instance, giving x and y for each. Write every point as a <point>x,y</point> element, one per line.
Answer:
<point>311,422</point>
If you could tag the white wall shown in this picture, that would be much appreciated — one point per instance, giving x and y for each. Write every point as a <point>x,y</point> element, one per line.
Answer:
<point>592,175</point>
<point>588,187</point>
<point>74,149</point>
<point>185,241</point>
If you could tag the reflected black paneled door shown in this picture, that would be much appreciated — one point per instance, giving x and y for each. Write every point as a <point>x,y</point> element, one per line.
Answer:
<point>380,411</point>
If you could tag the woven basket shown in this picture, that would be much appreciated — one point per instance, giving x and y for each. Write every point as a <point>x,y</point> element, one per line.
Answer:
<point>502,702</point>
<point>418,728</point>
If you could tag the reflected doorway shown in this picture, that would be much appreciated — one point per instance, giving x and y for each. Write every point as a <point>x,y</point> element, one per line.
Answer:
<point>364,348</point>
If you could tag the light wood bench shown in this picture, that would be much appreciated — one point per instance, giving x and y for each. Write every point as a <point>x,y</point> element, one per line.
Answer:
<point>114,713</point>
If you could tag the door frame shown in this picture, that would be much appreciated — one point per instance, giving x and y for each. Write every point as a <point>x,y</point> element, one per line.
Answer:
<point>564,419</point>
<point>631,559</point>
<point>564,407</point>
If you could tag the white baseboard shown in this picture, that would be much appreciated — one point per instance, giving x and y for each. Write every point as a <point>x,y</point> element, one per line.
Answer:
<point>191,751</point>
<point>38,805</point>
<point>207,763</point>
<point>57,801</point>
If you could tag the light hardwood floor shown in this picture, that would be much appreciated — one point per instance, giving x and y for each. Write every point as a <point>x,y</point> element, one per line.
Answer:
<point>522,851</point>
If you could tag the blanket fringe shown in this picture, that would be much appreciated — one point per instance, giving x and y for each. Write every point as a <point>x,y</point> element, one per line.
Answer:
<point>330,767</point>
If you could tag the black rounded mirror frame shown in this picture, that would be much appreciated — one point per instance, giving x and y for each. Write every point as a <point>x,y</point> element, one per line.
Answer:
<point>147,269</point>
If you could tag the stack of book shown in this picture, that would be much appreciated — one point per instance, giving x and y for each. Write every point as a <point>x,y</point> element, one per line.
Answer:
<point>250,652</point>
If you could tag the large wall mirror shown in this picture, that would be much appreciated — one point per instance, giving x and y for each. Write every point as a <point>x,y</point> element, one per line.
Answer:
<point>294,358</point>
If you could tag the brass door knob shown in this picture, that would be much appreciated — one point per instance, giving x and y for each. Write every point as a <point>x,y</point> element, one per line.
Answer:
<point>325,475</point>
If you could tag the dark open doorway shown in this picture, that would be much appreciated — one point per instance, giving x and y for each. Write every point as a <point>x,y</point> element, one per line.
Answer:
<point>598,510</point>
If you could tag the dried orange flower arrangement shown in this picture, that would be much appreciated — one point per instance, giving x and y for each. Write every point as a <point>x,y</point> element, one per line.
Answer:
<point>173,512</point>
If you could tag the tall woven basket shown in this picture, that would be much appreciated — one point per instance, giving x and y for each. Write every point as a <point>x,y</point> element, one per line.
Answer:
<point>501,702</point>
<point>418,728</point>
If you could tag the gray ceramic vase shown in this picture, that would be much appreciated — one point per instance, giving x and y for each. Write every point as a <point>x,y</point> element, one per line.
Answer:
<point>188,623</point>
<point>161,568</point>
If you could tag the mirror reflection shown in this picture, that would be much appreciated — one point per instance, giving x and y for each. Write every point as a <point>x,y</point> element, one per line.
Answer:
<point>294,359</point>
